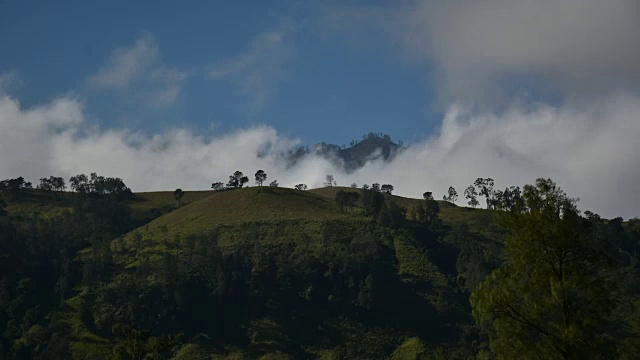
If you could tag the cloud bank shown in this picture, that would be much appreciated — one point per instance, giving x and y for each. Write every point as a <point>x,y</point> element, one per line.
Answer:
<point>488,50</point>
<point>590,151</point>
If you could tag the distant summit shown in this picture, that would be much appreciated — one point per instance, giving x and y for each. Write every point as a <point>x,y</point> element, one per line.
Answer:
<point>372,146</point>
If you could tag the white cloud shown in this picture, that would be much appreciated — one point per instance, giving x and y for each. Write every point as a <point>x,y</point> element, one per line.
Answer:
<point>589,157</point>
<point>489,52</point>
<point>591,151</point>
<point>486,49</point>
<point>137,70</point>
<point>256,73</point>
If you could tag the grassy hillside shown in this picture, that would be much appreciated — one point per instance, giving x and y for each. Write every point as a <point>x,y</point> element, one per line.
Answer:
<point>480,221</point>
<point>144,206</point>
<point>211,210</point>
<point>269,273</point>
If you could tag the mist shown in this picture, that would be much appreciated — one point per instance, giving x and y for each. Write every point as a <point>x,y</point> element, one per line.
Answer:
<point>591,151</point>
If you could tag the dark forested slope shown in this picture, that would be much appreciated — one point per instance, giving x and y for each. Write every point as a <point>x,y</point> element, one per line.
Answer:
<point>264,272</point>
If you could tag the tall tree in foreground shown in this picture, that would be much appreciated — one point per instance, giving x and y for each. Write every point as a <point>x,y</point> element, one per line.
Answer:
<point>553,296</point>
<point>261,176</point>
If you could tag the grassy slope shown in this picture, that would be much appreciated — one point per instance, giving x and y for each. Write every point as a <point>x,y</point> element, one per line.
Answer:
<point>280,210</point>
<point>275,216</point>
<point>248,205</point>
<point>144,205</point>
<point>31,202</point>
<point>270,215</point>
<point>480,221</point>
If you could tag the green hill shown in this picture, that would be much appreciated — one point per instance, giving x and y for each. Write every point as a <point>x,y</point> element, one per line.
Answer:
<point>258,273</point>
<point>315,255</point>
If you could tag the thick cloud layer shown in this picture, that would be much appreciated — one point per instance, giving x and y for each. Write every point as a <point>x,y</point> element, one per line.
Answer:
<point>488,49</point>
<point>591,151</point>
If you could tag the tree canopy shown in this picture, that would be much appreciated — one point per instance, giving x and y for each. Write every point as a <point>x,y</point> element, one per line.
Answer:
<point>553,296</point>
<point>237,180</point>
<point>261,176</point>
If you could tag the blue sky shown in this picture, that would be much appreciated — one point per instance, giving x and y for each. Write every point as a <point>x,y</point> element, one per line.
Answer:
<point>314,84</point>
<point>168,95</point>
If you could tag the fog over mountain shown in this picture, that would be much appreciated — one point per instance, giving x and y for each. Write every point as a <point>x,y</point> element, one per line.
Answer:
<point>591,151</point>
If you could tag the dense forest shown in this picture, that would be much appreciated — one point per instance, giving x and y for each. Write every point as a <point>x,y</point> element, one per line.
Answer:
<point>266,272</point>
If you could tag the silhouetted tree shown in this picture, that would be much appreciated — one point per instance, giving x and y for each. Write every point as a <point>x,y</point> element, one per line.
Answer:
<point>274,183</point>
<point>261,176</point>
<point>510,199</point>
<point>178,194</point>
<point>52,183</point>
<point>237,180</point>
<point>14,185</point>
<point>485,188</point>
<point>452,195</point>
<point>330,181</point>
<point>79,183</point>
<point>372,202</point>
<point>375,187</point>
<point>471,194</point>
<point>301,187</point>
<point>217,186</point>
<point>387,188</point>
<point>354,186</point>
<point>97,185</point>
<point>431,207</point>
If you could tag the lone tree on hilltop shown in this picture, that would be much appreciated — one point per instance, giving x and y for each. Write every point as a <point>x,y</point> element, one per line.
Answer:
<point>261,176</point>
<point>300,187</point>
<point>237,180</point>
<point>485,188</point>
<point>178,194</point>
<point>431,207</point>
<point>471,194</point>
<point>387,189</point>
<point>217,186</point>
<point>274,183</point>
<point>330,181</point>
<point>452,195</point>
